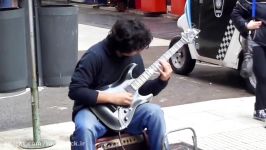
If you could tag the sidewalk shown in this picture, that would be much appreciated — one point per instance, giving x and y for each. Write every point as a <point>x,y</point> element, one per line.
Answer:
<point>224,124</point>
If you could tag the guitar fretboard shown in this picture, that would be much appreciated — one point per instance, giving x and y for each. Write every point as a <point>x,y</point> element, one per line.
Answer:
<point>147,74</point>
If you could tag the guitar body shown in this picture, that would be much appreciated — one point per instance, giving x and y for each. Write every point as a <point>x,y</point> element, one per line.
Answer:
<point>117,117</point>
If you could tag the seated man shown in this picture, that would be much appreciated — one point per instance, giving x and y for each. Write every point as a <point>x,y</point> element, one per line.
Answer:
<point>102,65</point>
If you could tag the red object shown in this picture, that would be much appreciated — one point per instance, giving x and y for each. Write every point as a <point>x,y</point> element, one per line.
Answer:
<point>138,4</point>
<point>177,7</point>
<point>153,6</point>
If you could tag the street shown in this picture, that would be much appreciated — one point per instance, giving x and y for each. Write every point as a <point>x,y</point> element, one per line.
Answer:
<point>206,82</point>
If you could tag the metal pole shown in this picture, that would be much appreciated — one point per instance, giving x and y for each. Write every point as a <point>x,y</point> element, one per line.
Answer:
<point>37,143</point>
<point>34,89</point>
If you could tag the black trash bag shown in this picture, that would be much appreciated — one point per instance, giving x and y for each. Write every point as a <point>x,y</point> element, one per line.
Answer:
<point>246,69</point>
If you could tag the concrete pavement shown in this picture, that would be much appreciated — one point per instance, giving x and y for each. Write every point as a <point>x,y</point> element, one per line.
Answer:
<point>224,124</point>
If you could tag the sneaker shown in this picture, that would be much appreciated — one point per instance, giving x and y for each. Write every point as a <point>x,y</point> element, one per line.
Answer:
<point>260,115</point>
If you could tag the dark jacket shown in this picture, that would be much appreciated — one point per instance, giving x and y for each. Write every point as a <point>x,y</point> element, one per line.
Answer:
<point>242,14</point>
<point>99,67</point>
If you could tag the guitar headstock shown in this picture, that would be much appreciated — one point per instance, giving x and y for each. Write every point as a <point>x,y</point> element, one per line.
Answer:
<point>190,34</point>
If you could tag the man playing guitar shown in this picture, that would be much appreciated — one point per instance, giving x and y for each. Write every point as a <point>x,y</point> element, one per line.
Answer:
<point>101,66</point>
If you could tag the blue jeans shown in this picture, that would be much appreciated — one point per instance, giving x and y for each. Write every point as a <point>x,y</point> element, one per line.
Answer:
<point>88,128</point>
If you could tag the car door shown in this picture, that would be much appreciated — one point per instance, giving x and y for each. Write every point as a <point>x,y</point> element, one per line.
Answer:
<point>212,17</point>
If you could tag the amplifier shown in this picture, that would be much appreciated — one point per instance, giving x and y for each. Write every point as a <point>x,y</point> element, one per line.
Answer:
<point>130,142</point>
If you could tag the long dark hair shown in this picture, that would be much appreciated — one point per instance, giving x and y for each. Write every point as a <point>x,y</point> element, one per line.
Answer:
<point>128,35</point>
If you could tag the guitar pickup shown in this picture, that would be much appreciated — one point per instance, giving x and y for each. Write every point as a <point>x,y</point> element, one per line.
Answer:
<point>112,108</point>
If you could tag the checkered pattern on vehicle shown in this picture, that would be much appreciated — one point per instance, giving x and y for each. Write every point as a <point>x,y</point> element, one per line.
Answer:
<point>226,41</point>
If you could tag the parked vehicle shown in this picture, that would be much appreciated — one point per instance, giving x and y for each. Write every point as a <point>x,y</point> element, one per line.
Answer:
<point>218,42</point>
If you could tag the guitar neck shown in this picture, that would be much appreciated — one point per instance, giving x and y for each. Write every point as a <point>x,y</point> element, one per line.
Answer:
<point>147,74</point>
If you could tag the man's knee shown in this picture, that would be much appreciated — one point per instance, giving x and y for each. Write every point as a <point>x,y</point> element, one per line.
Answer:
<point>154,110</point>
<point>85,130</point>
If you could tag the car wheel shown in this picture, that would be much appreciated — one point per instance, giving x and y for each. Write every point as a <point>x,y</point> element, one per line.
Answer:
<point>251,83</point>
<point>181,62</point>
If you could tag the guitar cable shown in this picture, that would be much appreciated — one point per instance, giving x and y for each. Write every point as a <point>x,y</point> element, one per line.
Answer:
<point>119,132</point>
<point>120,140</point>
